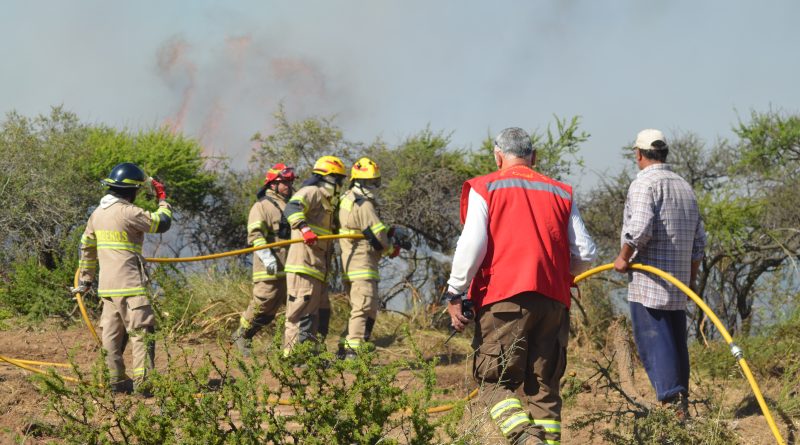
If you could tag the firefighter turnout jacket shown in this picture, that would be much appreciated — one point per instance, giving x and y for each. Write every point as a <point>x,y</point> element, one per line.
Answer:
<point>314,206</point>
<point>113,237</point>
<point>357,215</point>
<point>264,227</point>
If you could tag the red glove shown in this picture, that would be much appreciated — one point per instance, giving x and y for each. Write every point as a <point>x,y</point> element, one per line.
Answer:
<point>395,251</point>
<point>159,188</point>
<point>309,237</point>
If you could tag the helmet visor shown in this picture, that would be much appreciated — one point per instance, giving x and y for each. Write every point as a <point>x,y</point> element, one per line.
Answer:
<point>287,174</point>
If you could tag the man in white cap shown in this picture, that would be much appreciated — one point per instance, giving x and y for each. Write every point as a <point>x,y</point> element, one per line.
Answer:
<point>661,228</point>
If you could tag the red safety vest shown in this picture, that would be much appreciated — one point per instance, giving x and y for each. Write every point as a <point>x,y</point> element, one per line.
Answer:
<point>528,248</point>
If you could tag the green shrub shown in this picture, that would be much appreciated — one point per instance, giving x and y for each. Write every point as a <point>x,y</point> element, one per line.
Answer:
<point>662,427</point>
<point>227,400</point>
<point>34,291</point>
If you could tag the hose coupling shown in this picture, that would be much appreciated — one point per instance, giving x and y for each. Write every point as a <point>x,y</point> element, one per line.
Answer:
<point>737,352</point>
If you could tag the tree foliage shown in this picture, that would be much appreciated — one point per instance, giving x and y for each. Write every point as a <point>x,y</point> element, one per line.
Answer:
<point>50,168</point>
<point>41,197</point>
<point>300,143</point>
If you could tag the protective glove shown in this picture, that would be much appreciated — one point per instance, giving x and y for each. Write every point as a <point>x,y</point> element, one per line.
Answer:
<point>309,237</point>
<point>83,287</point>
<point>394,252</point>
<point>159,189</point>
<point>269,260</point>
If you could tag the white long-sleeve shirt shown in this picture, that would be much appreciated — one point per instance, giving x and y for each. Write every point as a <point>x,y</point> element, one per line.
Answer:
<point>471,247</point>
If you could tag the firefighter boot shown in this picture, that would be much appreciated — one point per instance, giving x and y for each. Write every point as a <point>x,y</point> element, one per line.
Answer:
<point>324,324</point>
<point>243,336</point>
<point>144,360</point>
<point>122,386</point>
<point>527,439</point>
<point>242,341</point>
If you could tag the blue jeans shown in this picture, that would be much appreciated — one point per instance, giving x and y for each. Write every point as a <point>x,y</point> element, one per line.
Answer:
<point>661,340</point>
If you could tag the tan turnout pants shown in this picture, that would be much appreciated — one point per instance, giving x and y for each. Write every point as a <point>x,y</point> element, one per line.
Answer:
<point>364,304</point>
<point>522,342</point>
<point>268,296</point>
<point>128,319</point>
<point>307,310</point>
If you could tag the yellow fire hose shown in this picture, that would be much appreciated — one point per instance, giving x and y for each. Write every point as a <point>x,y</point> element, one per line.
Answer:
<point>737,352</point>
<point>247,250</point>
<point>20,364</point>
<point>84,314</point>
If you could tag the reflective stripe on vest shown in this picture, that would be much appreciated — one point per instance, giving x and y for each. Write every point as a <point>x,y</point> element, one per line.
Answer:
<point>527,185</point>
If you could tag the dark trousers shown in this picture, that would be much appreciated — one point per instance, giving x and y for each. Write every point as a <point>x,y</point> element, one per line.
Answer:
<point>661,340</point>
<point>522,341</point>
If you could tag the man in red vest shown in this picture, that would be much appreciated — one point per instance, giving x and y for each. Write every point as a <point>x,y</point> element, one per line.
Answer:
<point>523,240</point>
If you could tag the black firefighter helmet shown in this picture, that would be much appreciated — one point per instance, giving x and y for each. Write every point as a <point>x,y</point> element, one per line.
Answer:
<point>126,175</point>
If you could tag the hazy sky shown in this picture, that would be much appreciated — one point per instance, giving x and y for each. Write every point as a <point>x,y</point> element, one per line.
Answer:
<point>217,70</point>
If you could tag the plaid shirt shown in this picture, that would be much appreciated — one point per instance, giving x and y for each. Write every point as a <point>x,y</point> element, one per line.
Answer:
<point>662,223</point>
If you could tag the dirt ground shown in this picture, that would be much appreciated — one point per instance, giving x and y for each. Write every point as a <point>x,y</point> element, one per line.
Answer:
<point>24,409</point>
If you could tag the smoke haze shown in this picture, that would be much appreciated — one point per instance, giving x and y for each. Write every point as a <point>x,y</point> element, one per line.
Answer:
<point>217,71</point>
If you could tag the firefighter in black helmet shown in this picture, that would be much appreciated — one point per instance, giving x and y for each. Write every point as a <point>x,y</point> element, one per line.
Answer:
<point>112,242</point>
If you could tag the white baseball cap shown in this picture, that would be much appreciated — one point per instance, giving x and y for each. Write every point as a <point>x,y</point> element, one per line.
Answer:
<point>646,138</point>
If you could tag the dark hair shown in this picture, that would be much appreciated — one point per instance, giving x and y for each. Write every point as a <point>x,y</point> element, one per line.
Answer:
<point>658,153</point>
<point>128,194</point>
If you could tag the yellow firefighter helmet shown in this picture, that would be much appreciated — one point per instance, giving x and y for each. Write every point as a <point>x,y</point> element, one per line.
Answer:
<point>365,168</point>
<point>329,165</point>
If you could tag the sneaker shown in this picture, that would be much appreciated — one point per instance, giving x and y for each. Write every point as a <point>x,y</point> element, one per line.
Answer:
<point>242,343</point>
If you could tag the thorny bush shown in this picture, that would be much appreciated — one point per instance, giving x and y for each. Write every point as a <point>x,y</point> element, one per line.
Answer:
<point>309,398</point>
